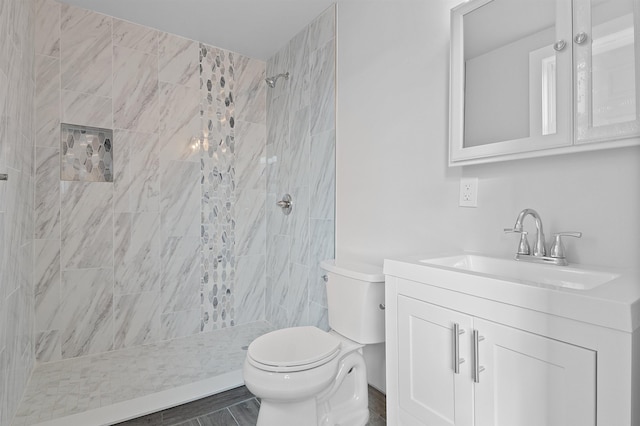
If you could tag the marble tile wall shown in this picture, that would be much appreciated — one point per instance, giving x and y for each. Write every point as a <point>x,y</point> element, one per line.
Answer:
<point>301,162</point>
<point>17,138</point>
<point>122,264</point>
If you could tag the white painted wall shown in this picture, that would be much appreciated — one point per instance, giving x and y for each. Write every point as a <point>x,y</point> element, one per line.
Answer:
<point>395,194</point>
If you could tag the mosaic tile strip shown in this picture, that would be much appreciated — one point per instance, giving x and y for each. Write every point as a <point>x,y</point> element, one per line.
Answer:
<point>218,180</point>
<point>86,153</point>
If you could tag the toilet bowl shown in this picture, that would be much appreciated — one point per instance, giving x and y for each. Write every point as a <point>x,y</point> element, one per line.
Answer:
<point>307,376</point>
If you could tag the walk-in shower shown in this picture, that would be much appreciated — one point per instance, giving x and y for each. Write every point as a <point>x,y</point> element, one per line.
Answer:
<point>271,81</point>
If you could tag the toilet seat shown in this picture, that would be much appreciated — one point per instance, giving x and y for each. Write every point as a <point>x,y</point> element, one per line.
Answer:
<point>293,349</point>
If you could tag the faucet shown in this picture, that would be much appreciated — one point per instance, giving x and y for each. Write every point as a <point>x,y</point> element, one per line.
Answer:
<point>539,254</point>
<point>538,249</point>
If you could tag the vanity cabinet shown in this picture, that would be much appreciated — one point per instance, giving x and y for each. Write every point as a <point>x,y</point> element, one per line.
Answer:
<point>532,78</point>
<point>515,366</point>
<point>509,377</point>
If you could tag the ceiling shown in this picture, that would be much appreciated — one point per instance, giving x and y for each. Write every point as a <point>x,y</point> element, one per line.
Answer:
<point>254,28</point>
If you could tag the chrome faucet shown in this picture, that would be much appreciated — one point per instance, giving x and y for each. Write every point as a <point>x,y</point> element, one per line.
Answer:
<point>539,254</point>
<point>538,248</point>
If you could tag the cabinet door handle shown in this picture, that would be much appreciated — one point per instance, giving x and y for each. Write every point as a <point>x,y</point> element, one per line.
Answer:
<point>477,368</point>
<point>456,348</point>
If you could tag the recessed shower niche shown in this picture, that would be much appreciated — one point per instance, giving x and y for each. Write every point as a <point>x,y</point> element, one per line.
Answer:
<point>86,153</point>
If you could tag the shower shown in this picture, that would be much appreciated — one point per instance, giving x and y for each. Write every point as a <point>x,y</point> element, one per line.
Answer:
<point>271,81</point>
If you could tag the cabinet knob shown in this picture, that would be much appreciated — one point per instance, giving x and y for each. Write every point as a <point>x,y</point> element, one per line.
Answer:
<point>580,38</point>
<point>559,45</point>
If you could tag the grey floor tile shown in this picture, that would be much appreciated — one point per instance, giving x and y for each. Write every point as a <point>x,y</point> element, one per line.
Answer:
<point>377,402</point>
<point>154,419</point>
<point>192,422</point>
<point>205,406</point>
<point>246,413</point>
<point>376,420</point>
<point>219,418</point>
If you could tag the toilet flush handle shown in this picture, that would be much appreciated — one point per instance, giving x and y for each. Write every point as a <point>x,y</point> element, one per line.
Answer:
<point>382,306</point>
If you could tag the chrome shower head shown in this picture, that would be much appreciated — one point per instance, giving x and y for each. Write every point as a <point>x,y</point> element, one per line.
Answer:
<point>271,81</point>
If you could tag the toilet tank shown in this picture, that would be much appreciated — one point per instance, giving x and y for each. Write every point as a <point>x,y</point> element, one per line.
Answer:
<point>355,297</point>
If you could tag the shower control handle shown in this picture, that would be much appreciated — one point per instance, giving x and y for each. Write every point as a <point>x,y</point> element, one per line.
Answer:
<point>285,204</point>
<point>4,176</point>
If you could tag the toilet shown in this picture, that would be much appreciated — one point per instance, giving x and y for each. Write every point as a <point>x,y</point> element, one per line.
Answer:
<point>305,376</point>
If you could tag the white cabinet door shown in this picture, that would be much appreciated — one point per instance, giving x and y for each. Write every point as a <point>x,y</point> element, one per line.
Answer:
<point>430,391</point>
<point>606,69</point>
<point>530,380</point>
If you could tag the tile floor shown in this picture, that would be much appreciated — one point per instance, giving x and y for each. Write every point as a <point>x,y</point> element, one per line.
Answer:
<point>68,387</point>
<point>236,407</point>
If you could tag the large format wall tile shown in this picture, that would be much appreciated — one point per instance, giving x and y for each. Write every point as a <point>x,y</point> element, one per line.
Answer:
<point>251,95</point>
<point>322,77</point>
<point>178,61</point>
<point>134,36</point>
<point>299,149</point>
<point>86,311</point>
<point>179,122</point>
<point>299,67</point>
<point>137,177</point>
<point>180,204</point>
<point>179,324</point>
<point>86,110</point>
<point>86,51</point>
<point>164,264</point>
<point>297,298</point>
<point>249,213</point>
<point>135,90</point>
<point>136,252</point>
<point>47,284</point>
<point>47,101</point>
<point>47,39</point>
<point>137,319</point>
<point>251,153</point>
<point>87,225</point>
<point>299,226</point>
<point>47,193</point>
<point>180,281</point>
<point>17,143</point>
<point>300,160</point>
<point>250,289</point>
<point>322,175</point>
<point>48,347</point>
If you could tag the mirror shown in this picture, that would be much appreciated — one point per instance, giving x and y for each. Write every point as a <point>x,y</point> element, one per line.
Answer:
<point>542,77</point>
<point>510,79</point>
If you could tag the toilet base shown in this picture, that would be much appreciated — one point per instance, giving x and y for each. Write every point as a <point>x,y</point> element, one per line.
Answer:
<point>293,413</point>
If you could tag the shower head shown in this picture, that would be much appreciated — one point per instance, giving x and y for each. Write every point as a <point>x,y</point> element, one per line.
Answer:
<point>271,81</point>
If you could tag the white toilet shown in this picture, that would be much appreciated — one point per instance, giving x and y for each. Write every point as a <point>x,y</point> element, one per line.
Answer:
<point>305,376</point>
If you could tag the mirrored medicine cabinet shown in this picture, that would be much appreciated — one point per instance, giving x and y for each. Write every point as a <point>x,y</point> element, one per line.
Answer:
<point>542,77</point>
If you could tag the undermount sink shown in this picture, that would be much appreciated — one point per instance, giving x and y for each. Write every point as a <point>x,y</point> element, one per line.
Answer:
<point>576,278</point>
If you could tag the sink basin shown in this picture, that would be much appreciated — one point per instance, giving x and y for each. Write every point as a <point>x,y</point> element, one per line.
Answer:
<point>576,278</point>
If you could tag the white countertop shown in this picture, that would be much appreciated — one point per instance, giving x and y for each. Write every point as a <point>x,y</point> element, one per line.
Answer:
<point>615,304</point>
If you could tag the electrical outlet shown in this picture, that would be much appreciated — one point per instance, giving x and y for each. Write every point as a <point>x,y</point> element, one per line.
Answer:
<point>468,192</point>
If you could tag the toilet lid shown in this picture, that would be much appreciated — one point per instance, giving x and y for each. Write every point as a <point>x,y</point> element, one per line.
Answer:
<point>293,349</point>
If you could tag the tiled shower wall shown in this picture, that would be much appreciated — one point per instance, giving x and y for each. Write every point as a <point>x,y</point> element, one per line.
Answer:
<point>148,257</point>
<point>301,161</point>
<point>17,88</point>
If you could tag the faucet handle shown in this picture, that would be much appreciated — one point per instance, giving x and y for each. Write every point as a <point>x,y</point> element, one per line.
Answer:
<point>523,245</point>
<point>557,248</point>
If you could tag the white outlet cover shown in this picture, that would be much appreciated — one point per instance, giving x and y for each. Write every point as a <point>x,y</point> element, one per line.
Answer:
<point>468,192</point>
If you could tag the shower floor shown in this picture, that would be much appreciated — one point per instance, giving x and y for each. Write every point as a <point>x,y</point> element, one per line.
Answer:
<point>115,386</point>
